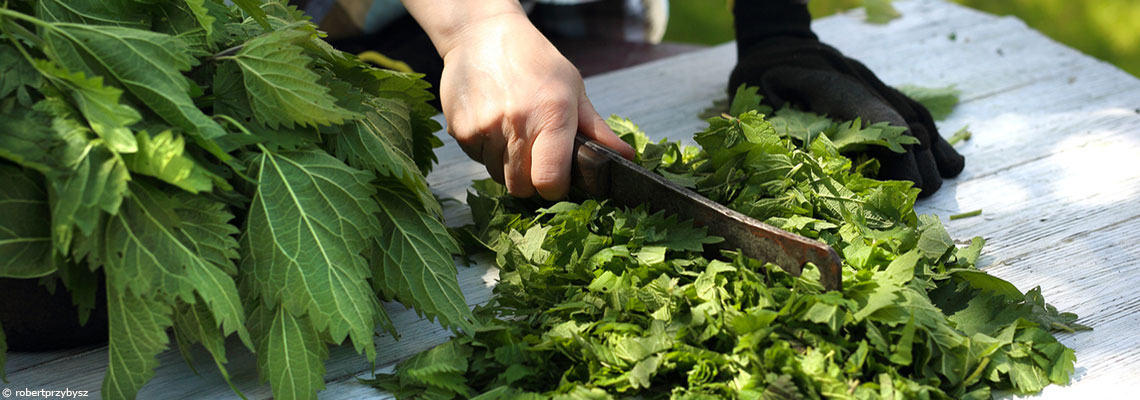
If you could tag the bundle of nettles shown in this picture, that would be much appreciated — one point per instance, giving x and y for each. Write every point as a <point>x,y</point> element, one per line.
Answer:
<point>596,301</point>
<point>227,171</point>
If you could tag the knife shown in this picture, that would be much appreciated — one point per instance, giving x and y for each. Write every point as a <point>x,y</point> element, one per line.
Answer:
<point>604,174</point>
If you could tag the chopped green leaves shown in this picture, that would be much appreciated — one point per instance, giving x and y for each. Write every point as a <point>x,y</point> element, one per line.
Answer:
<point>611,302</point>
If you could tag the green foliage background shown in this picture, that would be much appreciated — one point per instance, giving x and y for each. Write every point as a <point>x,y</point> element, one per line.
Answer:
<point>1105,29</point>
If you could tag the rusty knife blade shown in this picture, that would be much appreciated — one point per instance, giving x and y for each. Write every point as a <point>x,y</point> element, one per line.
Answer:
<point>603,173</point>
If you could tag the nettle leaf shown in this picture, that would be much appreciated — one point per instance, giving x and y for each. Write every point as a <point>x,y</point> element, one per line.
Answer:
<point>122,13</point>
<point>282,90</point>
<point>34,139</point>
<point>136,334</point>
<point>84,177</point>
<point>232,100</point>
<point>163,157</point>
<point>97,184</point>
<point>853,136</point>
<point>939,101</point>
<point>253,9</point>
<point>99,105</point>
<point>405,87</point>
<point>880,11</point>
<point>193,323</point>
<point>360,144</point>
<point>311,219</point>
<point>413,261</point>
<point>201,23</point>
<point>18,74</point>
<point>25,227</point>
<point>148,64</point>
<point>292,357</point>
<point>201,13</point>
<point>177,245</point>
<point>802,125</point>
<point>609,298</point>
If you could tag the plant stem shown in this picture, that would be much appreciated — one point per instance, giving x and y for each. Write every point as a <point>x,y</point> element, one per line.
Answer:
<point>967,214</point>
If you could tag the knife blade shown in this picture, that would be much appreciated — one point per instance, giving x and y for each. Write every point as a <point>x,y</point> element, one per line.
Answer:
<point>604,174</point>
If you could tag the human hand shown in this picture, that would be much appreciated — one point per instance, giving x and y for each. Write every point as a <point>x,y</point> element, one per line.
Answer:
<point>807,73</point>
<point>514,103</point>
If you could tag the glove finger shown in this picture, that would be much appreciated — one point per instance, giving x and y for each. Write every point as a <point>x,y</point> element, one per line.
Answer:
<point>897,166</point>
<point>947,160</point>
<point>839,96</point>
<point>927,168</point>
<point>950,162</point>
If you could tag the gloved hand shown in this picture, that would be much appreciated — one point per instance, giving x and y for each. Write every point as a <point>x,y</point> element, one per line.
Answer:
<point>778,53</point>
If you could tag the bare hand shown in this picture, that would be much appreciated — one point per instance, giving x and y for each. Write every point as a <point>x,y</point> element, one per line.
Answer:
<point>514,103</point>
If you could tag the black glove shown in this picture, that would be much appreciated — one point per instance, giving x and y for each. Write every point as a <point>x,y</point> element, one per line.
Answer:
<point>777,52</point>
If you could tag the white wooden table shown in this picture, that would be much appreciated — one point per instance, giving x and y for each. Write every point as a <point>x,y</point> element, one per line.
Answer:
<point>1054,163</point>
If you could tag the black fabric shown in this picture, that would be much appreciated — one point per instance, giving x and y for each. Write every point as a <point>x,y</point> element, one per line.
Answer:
<point>790,65</point>
<point>36,320</point>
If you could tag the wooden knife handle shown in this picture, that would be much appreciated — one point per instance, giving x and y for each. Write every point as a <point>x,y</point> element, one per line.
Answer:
<point>590,171</point>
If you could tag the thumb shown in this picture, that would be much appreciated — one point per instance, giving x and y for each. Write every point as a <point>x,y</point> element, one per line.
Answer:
<point>592,126</point>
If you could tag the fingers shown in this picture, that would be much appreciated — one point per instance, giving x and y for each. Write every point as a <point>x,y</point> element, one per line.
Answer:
<point>949,162</point>
<point>552,149</point>
<point>592,126</point>
<point>931,180</point>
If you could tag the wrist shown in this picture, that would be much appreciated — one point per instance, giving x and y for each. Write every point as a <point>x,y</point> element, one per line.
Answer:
<point>450,24</point>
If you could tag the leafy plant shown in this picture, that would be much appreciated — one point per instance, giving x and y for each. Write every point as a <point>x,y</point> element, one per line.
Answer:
<point>229,173</point>
<point>596,301</point>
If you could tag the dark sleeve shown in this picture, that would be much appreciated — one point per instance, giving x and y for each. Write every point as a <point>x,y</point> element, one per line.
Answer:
<point>759,20</point>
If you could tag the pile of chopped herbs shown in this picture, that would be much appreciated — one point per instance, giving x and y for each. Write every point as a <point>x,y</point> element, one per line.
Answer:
<point>229,173</point>
<point>596,301</point>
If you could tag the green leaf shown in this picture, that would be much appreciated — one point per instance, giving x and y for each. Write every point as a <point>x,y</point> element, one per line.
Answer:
<point>781,388</point>
<point>97,184</point>
<point>194,324</point>
<point>84,284</point>
<point>41,139</point>
<point>253,9</point>
<point>137,333</point>
<point>746,100</point>
<point>940,101</point>
<point>880,11</point>
<point>122,13</point>
<point>282,90</point>
<point>414,262</point>
<point>99,105</point>
<point>163,157</point>
<point>982,281</point>
<point>148,64</point>
<point>293,357</point>
<point>202,14</point>
<point>200,23</point>
<point>801,125</point>
<point>231,99</point>
<point>933,240</point>
<point>174,244</point>
<point>18,74</point>
<point>852,136</point>
<point>25,225</point>
<point>360,144</point>
<point>310,220</point>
